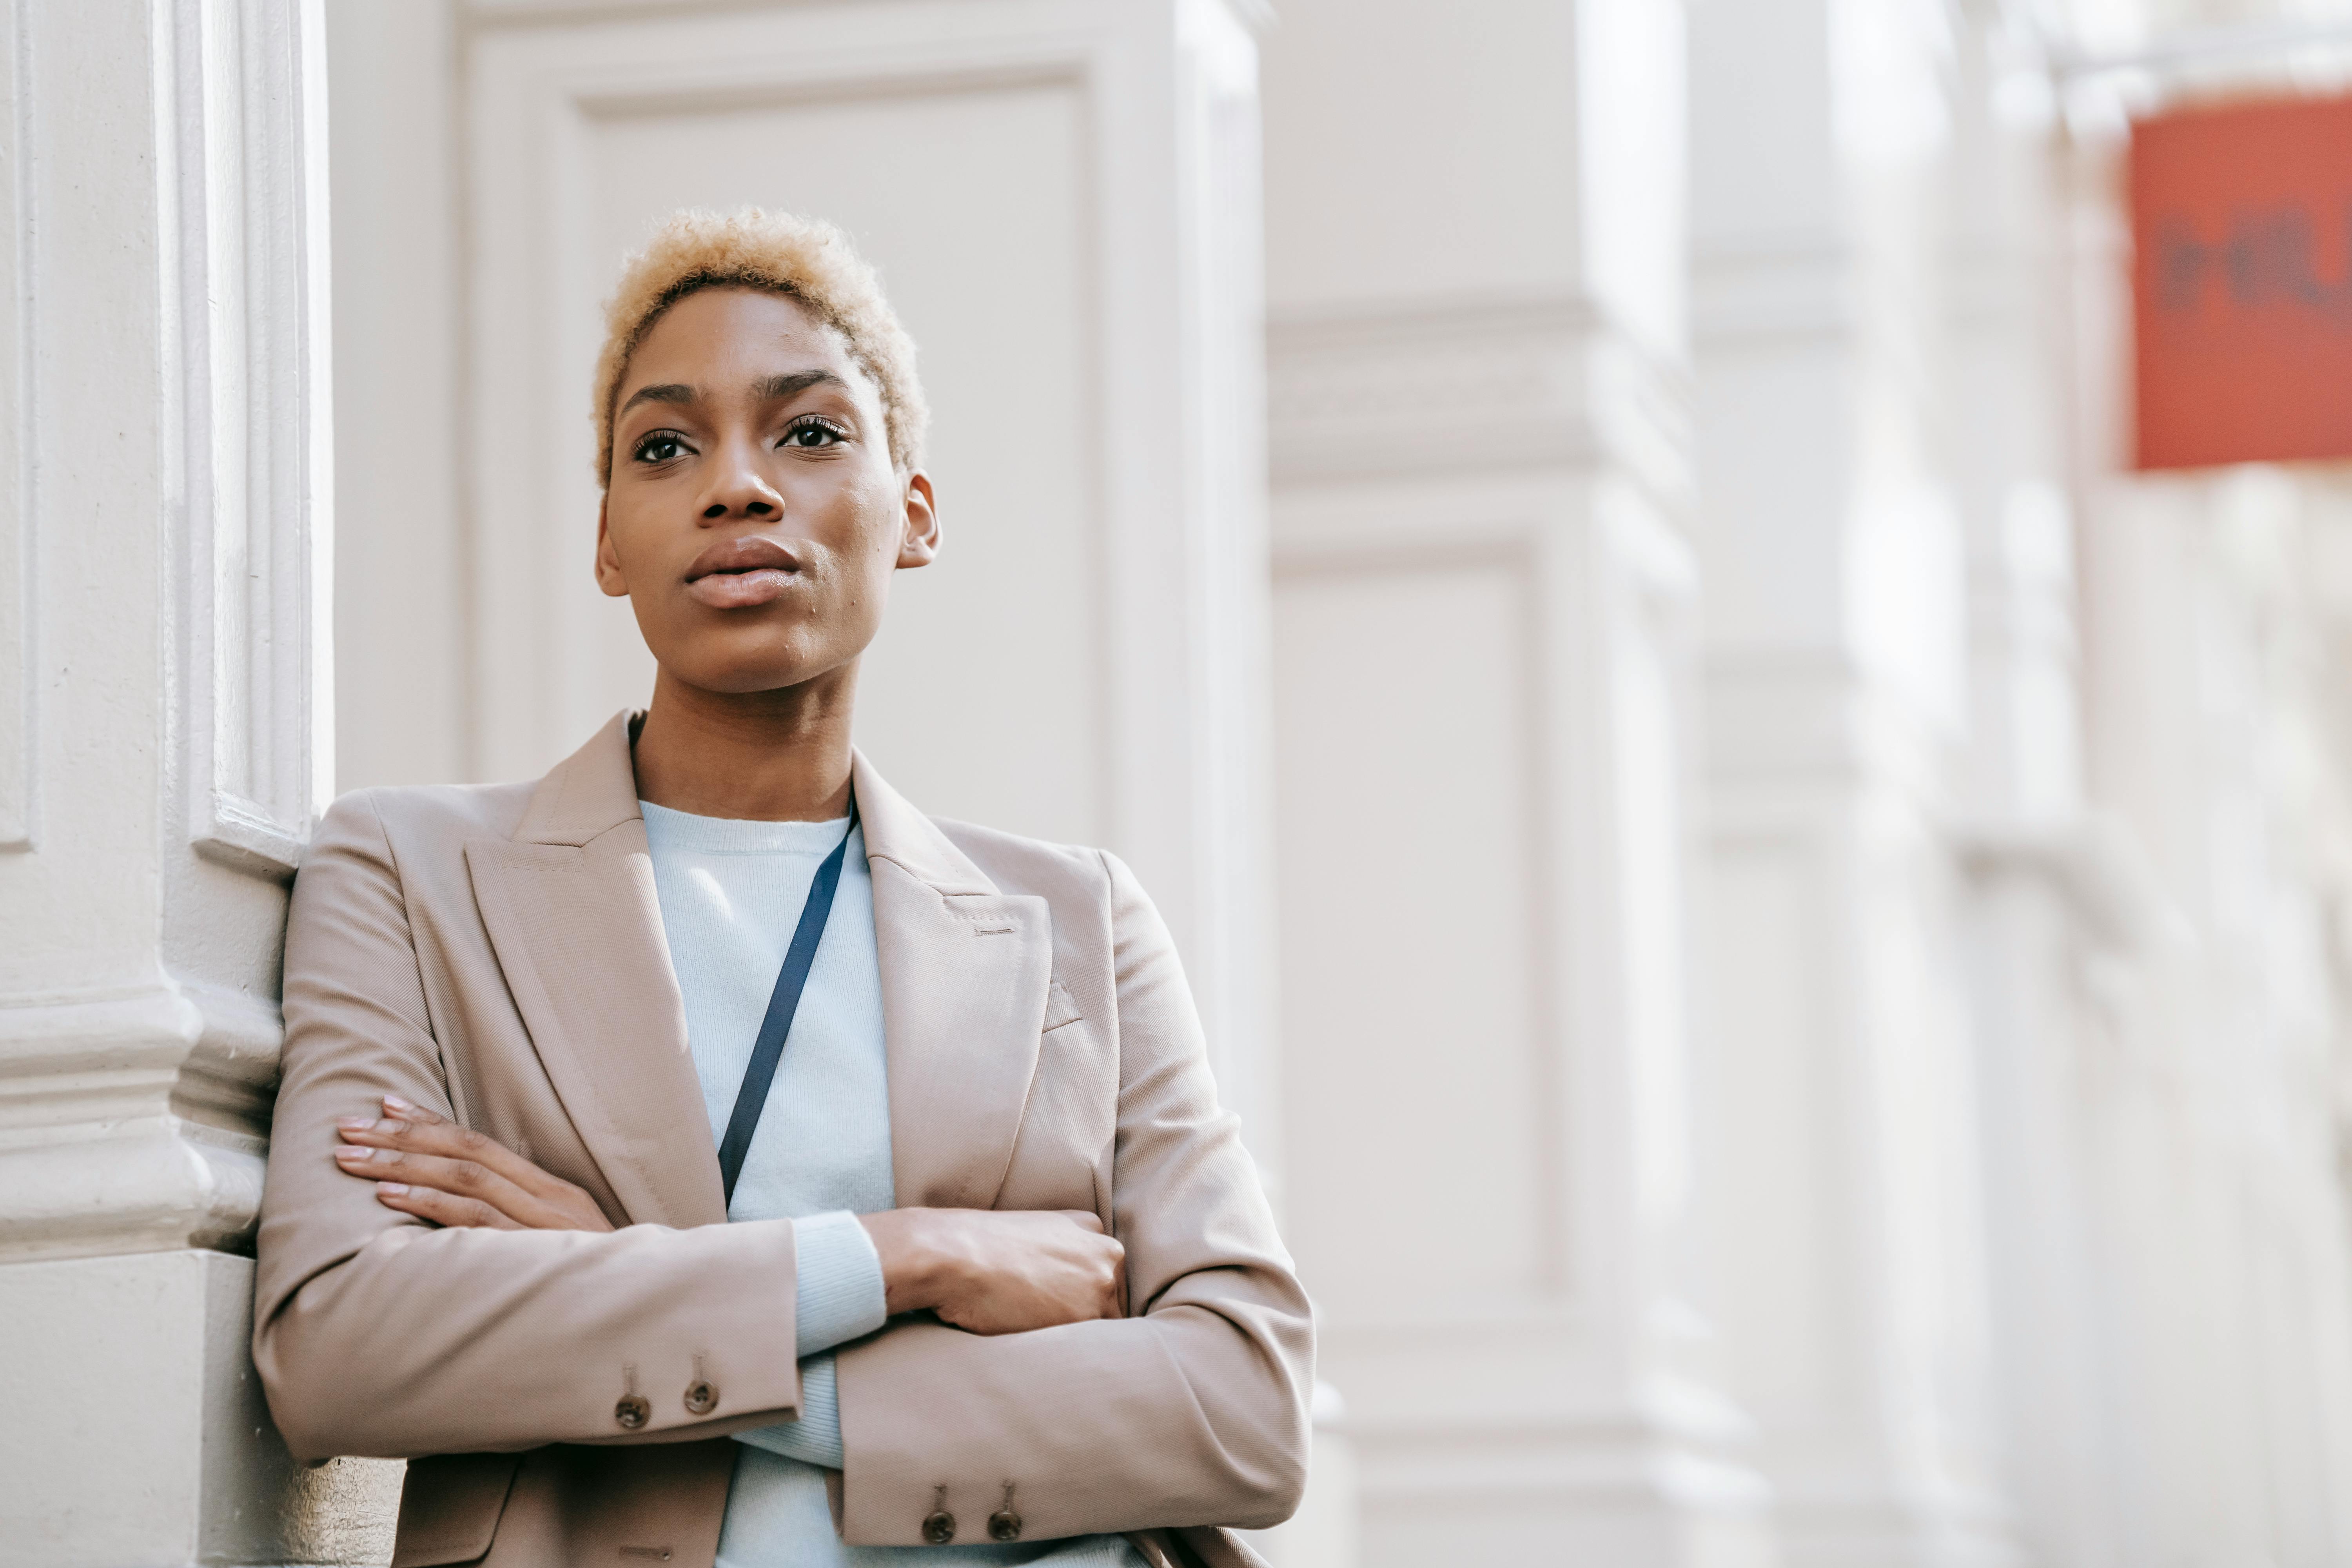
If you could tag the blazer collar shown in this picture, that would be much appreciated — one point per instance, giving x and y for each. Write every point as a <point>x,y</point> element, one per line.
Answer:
<point>573,913</point>
<point>589,793</point>
<point>594,790</point>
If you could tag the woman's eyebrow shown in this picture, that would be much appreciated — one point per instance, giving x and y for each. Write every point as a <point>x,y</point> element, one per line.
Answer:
<point>667,391</point>
<point>777,388</point>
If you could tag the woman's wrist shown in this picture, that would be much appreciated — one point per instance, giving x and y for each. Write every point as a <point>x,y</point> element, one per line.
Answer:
<point>997,1271</point>
<point>913,1266</point>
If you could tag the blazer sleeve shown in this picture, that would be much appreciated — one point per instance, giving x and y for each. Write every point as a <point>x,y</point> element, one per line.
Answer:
<point>1193,1411</point>
<point>377,1334</point>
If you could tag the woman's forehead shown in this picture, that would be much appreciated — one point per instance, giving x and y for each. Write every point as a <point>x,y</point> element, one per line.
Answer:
<point>717,328</point>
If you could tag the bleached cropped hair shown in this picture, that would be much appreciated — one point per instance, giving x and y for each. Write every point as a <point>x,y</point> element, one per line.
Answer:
<point>803,258</point>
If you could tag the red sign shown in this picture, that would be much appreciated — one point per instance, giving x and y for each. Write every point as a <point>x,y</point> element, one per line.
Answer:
<point>2242,275</point>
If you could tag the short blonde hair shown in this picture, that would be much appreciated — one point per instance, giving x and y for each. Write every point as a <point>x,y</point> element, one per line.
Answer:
<point>803,258</point>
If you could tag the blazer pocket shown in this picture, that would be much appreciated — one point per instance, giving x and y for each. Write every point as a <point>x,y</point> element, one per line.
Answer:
<point>1061,1007</point>
<point>449,1506</point>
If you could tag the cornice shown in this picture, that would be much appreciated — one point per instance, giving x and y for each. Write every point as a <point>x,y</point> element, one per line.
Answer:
<point>1536,384</point>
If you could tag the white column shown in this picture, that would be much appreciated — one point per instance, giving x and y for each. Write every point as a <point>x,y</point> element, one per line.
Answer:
<point>1848,1244</point>
<point>163,670</point>
<point>1484,598</point>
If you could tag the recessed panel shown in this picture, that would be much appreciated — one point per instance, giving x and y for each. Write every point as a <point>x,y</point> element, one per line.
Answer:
<point>1773,1124</point>
<point>981,699</point>
<point>1416,1101</point>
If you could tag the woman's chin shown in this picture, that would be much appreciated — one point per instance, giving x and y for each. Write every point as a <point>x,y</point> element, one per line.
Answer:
<point>746,676</point>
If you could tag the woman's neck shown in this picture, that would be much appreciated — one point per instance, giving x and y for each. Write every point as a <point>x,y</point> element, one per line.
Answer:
<point>768,756</point>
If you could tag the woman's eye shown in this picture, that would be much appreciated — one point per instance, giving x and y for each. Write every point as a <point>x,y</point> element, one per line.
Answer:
<point>659,447</point>
<point>812,435</point>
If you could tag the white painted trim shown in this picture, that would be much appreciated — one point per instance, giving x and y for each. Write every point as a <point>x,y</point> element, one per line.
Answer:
<point>19,691</point>
<point>246,167</point>
<point>1254,15</point>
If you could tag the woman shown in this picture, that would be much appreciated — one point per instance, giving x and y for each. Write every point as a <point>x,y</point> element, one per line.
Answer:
<point>1000,1285</point>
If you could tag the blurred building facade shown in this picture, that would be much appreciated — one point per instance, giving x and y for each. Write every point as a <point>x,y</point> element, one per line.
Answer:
<point>1864,873</point>
<point>1779,920</point>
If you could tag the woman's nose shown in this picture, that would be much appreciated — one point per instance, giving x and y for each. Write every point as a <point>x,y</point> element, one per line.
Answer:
<point>742,492</point>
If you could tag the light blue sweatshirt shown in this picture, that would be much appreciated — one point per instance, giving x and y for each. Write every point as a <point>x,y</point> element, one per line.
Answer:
<point>730,894</point>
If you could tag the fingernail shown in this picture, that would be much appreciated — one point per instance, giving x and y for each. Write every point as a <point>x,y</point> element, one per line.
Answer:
<point>394,1102</point>
<point>354,1156</point>
<point>355,1123</point>
<point>391,1189</point>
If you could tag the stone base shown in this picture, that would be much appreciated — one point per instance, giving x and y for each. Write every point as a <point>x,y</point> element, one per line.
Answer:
<point>139,1434</point>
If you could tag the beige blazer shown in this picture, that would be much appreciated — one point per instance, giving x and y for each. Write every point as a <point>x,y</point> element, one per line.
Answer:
<point>496,953</point>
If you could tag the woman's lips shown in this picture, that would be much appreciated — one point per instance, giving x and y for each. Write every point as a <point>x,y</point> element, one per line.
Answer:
<point>737,574</point>
<point>740,590</point>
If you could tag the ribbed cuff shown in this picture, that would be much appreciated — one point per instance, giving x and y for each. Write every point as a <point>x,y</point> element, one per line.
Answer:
<point>815,1438</point>
<point>839,1296</point>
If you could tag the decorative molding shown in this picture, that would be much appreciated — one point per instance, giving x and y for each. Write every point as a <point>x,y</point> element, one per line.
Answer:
<point>2096,868</point>
<point>135,1120</point>
<point>19,692</point>
<point>1479,385</point>
<point>1756,290</point>
<point>1255,14</point>
<point>1814,718</point>
<point>249,176</point>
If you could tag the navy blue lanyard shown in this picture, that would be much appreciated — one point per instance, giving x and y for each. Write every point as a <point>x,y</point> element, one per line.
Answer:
<point>782,1003</point>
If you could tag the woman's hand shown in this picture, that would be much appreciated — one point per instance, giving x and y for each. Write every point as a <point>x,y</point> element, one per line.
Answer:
<point>999,1272</point>
<point>452,1175</point>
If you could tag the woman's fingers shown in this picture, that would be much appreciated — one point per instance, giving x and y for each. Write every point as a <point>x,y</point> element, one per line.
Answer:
<point>413,1127</point>
<point>466,1179</point>
<point>444,1209</point>
<point>419,1147</point>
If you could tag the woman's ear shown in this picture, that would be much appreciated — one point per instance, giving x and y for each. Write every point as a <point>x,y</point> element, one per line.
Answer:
<point>919,544</point>
<point>608,560</point>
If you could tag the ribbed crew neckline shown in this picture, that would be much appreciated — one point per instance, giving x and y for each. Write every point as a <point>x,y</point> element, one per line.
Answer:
<point>740,836</point>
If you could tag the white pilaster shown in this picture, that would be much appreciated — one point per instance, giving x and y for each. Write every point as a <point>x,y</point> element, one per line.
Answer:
<point>163,564</point>
<point>1484,599</point>
<point>1848,1265</point>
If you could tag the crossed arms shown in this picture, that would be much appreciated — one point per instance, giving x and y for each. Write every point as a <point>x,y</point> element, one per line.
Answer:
<point>382,1327</point>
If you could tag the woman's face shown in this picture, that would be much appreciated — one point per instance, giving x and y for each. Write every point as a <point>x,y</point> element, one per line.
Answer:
<point>754,518</point>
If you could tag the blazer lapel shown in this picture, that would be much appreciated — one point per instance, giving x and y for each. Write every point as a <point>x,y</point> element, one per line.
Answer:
<point>572,911</point>
<point>965,971</point>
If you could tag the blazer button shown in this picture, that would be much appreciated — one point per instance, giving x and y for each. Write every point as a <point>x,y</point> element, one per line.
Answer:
<point>1004,1525</point>
<point>633,1412</point>
<point>701,1398</point>
<point>940,1528</point>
